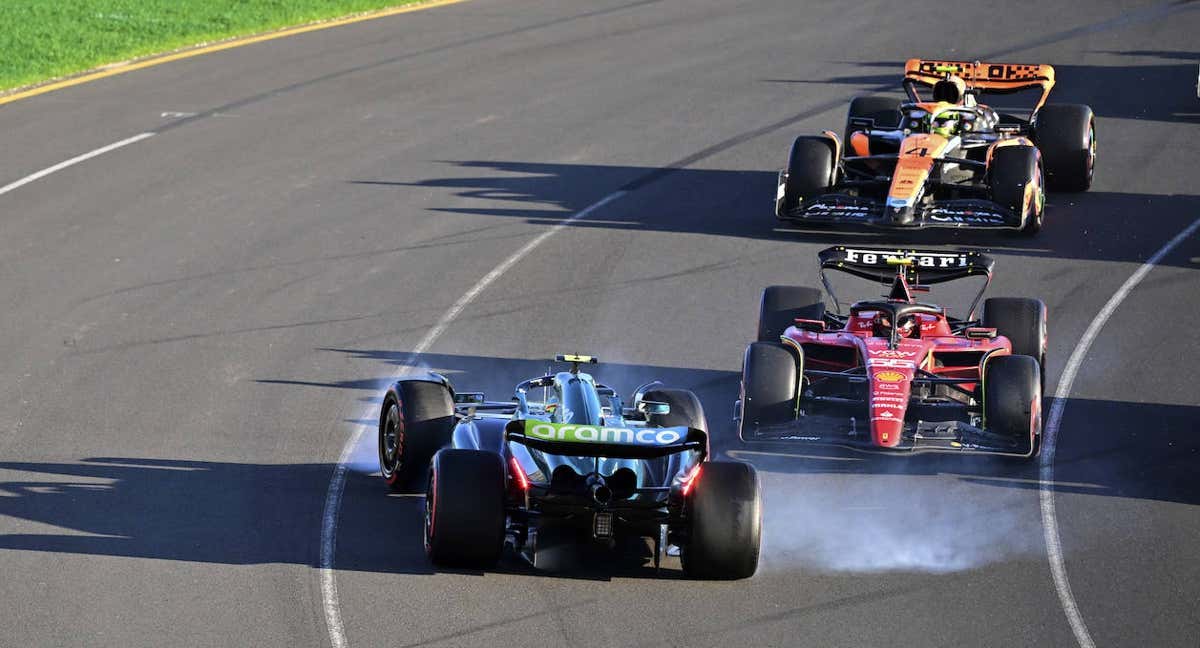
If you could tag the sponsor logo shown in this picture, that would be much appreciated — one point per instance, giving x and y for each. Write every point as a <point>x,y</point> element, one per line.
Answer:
<point>887,387</point>
<point>596,434</point>
<point>892,363</point>
<point>889,353</point>
<point>920,259</point>
<point>889,376</point>
<point>884,436</point>
<point>887,400</point>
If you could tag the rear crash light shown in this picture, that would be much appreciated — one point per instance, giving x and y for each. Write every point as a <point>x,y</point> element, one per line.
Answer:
<point>602,525</point>
<point>689,480</point>
<point>518,474</point>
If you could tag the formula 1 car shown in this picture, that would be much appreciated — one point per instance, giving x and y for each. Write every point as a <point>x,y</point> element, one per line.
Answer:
<point>576,466</point>
<point>895,374</point>
<point>949,162</point>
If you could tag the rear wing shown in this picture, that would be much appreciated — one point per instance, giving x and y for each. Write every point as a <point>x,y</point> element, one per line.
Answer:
<point>994,78</point>
<point>608,442</point>
<point>917,267</point>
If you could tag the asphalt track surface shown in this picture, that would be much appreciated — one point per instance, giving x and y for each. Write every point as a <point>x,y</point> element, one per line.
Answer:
<point>195,324</point>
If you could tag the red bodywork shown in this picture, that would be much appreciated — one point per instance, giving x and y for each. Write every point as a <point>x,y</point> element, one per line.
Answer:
<point>890,371</point>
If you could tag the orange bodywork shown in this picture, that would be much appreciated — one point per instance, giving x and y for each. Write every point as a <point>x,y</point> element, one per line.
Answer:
<point>1003,77</point>
<point>917,153</point>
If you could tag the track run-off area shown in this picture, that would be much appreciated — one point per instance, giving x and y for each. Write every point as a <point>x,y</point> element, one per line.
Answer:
<point>210,269</point>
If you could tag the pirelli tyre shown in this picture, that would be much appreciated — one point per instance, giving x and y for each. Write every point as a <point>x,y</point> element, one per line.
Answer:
<point>883,110</point>
<point>769,382</point>
<point>724,511</point>
<point>1012,171</point>
<point>781,306</point>
<point>1012,401</point>
<point>1066,135</point>
<point>1024,322</point>
<point>464,508</point>
<point>417,418</point>
<point>810,171</point>
<point>686,410</point>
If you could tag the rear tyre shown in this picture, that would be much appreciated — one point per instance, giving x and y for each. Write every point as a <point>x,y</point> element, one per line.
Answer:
<point>464,508</point>
<point>1012,401</point>
<point>769,382</point>
<point>883,109</point>
<point>782,305</point>
<point>686,410</point>
<point>810,170</point>
<point>1023,322</point>
<point>725,511</point>
<point>412,428</point>
<point>1013,168</point>
<point>1066,135</point>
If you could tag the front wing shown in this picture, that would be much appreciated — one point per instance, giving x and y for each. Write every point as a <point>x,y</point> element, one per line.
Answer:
<point>844,209</point>
<point>854,434</point>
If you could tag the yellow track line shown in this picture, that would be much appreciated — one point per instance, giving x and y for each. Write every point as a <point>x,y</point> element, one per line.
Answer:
<point>122,68</point>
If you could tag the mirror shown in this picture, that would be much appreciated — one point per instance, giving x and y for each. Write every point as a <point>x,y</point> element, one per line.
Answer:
<point>653,407</point>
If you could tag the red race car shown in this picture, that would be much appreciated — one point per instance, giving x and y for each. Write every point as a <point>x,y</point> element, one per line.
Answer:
<point>896,374</point>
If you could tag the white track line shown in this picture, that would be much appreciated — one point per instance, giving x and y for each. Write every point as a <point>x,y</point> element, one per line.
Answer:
<point>1058,567</point>
<point>337,484</point>
<point>33,177</point>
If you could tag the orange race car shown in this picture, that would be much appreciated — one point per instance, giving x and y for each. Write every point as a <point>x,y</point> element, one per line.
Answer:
<point>945,161</point>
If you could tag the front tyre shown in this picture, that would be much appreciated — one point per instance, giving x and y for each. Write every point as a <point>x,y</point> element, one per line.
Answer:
<point>1015,181</point>
<point>1012,401</point>
<point>686,410</point>
<point>769,384</point>
<point>464,508</point>
<point>725,513</point>
<point>810,171</point>
<point>417,418</point>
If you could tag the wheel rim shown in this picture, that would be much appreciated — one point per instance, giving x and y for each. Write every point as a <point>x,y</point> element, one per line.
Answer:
<point>430,503</point>
<point>391,443</point>
<point>1091,157</point>
<point>1039,202</point>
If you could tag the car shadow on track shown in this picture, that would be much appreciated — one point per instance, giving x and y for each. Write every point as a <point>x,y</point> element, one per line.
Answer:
<point>1097,225</point>
<point>1105,449</point>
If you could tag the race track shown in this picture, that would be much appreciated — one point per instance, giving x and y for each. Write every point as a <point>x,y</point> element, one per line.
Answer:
<point>198,321</point>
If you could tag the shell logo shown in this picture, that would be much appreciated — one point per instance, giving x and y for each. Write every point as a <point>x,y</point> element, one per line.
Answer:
<point>889,376</point>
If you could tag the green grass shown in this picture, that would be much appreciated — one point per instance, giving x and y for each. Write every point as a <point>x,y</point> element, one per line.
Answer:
<point>43,39</point>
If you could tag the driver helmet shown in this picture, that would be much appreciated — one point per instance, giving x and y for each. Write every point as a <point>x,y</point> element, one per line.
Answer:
<point>946,124</point>
<point>905,328</point>
<point>951,89</point>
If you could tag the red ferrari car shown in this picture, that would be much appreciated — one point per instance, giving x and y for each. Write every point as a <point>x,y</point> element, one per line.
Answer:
<point>896,374</point>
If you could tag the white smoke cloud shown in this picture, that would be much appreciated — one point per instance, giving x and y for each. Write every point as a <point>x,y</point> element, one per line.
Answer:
<point>873,521</point>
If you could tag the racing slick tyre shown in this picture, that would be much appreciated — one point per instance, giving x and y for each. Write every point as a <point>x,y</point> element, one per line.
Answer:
<point>1012,169</point>
<point>686,410</point>
<point>1012,401</point>
<point>464,508</point>
<point>769,381</point>
<point>412,428</point>
<point>1066,135</point>
<point>1023,322</point>
<point>883,109</point>
<point>782,305</point>
<point>725,513</point>
<point>810,170</point>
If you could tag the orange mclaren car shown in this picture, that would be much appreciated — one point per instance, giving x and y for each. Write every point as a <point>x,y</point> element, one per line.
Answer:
<point>945,160</point>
